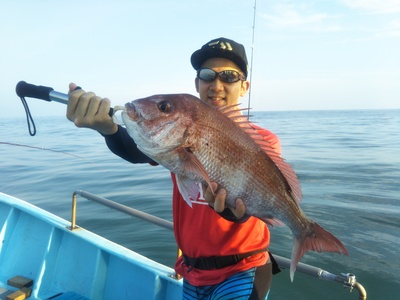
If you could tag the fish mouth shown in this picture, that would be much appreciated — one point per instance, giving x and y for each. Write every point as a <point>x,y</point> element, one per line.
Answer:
<point>133,114</point>
<point>118,110</point>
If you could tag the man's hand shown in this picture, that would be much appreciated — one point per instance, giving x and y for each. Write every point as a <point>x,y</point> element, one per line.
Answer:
<point>90,111</point>
<point>218,202</point>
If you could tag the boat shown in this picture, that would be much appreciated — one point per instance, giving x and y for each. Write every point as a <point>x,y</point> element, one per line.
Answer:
<point>60,261</point>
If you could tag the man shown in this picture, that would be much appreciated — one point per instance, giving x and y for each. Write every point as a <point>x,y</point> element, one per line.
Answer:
<point>224,250</point>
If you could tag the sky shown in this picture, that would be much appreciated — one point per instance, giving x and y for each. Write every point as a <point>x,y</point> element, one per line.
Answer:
<point>306,55</point>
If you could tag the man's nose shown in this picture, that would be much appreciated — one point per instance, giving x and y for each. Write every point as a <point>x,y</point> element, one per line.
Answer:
<point>217,84</point>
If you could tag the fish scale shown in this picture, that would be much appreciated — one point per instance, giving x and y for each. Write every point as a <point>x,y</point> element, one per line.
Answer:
<point>200,143</point>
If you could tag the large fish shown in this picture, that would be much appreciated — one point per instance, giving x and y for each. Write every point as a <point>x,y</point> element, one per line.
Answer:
<point>201,143</point>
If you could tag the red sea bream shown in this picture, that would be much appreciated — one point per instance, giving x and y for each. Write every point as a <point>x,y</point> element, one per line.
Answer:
<point>202,144</point>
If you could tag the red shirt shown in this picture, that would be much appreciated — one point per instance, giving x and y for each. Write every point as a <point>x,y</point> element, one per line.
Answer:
<point>201,232</point>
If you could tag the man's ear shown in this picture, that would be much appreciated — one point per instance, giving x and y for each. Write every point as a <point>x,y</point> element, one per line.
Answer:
<point>244,88</point>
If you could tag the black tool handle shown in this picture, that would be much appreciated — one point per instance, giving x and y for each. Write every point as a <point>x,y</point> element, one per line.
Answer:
<point>24,89</point>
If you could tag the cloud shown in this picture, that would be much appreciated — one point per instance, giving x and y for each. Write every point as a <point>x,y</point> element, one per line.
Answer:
<point>391,29</point>
<point>374,6</point>
<point>387,30</point>
<point>353,20</point>
<point>299,18</point>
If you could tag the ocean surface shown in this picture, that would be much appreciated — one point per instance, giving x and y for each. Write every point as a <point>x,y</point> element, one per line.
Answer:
<point>348,163</point>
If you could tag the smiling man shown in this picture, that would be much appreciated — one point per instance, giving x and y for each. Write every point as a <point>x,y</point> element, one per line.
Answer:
<point>224,250</point>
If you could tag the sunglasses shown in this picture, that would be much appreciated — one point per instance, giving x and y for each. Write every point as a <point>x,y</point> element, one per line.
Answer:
<point>228,76</point>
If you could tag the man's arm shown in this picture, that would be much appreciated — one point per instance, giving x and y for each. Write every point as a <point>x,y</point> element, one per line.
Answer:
<point>121,144</point>
<point>91,111</point>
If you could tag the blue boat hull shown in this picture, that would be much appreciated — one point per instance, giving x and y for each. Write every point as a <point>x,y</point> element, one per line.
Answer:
<point>38,245</point>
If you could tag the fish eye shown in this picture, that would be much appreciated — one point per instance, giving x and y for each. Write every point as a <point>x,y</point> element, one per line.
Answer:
<point>164,106</point>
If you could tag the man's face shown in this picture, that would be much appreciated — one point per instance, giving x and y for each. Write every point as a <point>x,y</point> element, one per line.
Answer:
<point>220,93</point>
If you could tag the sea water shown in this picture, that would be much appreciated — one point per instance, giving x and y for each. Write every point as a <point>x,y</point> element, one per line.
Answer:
<point>348,164</point>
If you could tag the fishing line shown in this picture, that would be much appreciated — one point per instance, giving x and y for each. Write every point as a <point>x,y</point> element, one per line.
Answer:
<point>101,169</point>
<point>41,148</point>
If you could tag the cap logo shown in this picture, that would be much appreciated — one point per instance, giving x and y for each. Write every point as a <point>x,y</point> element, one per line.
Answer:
<point>222,45</point>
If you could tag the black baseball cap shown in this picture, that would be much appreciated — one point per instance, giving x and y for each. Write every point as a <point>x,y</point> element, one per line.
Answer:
<point>221,47</point>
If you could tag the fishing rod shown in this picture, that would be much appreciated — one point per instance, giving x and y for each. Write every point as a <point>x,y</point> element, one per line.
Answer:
<point>251,60</point>
<point>24,89</point>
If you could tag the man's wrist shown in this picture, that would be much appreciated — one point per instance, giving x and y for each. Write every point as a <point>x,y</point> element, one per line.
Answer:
<point>109,131</point>
<point>228,215</point>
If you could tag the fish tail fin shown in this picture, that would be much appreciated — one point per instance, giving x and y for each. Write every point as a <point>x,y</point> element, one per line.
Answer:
<point>316,239</point>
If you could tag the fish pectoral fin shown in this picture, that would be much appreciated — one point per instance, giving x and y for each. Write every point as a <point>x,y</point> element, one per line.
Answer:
<point>188,188</point>
<point>192,164</point>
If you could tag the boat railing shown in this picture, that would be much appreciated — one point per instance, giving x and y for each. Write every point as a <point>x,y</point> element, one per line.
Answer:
<point>347,279</point>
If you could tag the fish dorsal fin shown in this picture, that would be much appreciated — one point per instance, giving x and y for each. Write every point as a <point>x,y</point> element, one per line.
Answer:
<point>260,136</point>
<point>285,168</point>
<point>232,110</point>
<point>189,188</point>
